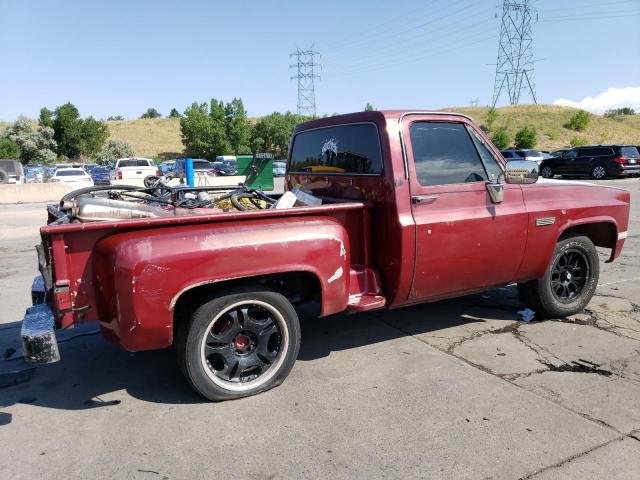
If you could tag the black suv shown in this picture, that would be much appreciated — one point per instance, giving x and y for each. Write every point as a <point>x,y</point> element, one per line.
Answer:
<point>597,161</point>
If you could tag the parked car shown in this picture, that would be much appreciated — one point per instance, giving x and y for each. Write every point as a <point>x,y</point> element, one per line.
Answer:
<point>200,166</point>
<point>32,175</point>
<point>101,176</point>
<point>279,168</point>
<point>411,218</point>
<point>88,167</point>
<point>560,152</point>
<point>597,161</point>
<point>522,154</point>
<point>166,167</point>
<point>134,168</point>
<point>229,165</point>
<point>73,177</point>
<point>11,171</point>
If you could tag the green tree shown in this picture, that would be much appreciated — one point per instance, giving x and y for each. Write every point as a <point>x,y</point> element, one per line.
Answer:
<point>113,150</point>
<point>174,113</point>
<point>526,138</point>
<point>272,133</point>
<point>579,121</point>
<point>9,149</point>
<point>203,130</point>
<point>66,125</point>
<point>114,118</point>
<point>368,107</point>
<point>35,144</point>
<point>93,134</point>
<point>46,117</point>
<point>501,139</point>
<point>76,137</point>
<point>237,126</point>
<point>492,116</point>
<point>151,113</point>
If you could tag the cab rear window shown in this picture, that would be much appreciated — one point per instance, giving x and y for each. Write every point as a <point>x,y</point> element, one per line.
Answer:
<point>344,149</point>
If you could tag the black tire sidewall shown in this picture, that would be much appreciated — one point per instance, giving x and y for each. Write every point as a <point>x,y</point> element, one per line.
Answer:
<point>543,169</point>
<point>189,341</point>
<point>549,303</point>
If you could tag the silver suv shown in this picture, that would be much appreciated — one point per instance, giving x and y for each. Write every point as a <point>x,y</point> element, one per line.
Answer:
<point>11,171</point>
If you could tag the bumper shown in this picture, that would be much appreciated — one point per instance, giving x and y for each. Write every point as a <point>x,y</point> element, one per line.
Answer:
<point>629,170</point>
<point>38,335</point>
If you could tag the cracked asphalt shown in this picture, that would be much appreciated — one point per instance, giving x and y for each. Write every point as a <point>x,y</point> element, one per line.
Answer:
<point>456,389</point>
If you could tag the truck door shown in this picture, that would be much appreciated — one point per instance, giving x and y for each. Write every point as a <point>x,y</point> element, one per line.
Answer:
<point>464,242</point>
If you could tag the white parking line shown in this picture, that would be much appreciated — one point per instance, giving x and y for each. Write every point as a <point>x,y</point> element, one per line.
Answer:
<point>618,281</point>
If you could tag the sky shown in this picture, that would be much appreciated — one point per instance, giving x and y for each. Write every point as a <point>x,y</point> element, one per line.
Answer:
<point>121,57</point>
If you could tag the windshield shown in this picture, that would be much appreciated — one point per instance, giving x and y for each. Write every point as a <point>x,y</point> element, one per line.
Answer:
<point>229,163</point>
<point>531,153</point>
<point>201,165</point>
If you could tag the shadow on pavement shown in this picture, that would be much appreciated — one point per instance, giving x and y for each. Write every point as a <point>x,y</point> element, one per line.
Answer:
<point>92,373</point>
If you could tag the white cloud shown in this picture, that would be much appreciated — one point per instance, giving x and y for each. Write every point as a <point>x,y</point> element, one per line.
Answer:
<point>610,98</point>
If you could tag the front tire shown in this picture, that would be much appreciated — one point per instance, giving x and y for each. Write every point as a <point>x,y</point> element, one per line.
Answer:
<point>547,172</point>
<point>569,282</point>
<point>240,343</point>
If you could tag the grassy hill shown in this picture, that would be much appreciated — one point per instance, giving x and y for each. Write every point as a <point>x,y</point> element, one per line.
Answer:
<point>548,121</point>
<point>160,138</point>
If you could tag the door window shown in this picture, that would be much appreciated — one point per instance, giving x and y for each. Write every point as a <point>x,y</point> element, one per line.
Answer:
<point>571,154</point>
<point>443,154</point>
<point>490,163</point>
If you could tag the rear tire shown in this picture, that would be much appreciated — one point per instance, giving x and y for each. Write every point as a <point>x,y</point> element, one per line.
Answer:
<point>240,343</point>
<point>569,282</point>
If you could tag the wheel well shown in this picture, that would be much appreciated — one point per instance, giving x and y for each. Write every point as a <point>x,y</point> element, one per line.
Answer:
<point>295,286</point>
<point>602,234</point>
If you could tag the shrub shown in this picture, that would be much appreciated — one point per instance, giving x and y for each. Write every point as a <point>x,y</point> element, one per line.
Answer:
<point>174,113</point>
<point>492,116</point>
<point>577,141</point>
<point>35,144</point>
<point>9,149</point>
<point>113,150</point>
<point>151,113</point>
<point>614,112</point>
<point>501,139</point>
<point>579,121</point>
<point>114,118</point>
<point>368,107</point>
<point>526,138</point>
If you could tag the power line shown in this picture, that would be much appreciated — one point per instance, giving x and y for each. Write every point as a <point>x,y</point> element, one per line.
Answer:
<point>514,68</point>
<point>305,74</point>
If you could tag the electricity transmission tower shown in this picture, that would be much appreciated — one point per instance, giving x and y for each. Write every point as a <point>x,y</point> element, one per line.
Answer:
<point>514,69</point>
<point>306,68</point>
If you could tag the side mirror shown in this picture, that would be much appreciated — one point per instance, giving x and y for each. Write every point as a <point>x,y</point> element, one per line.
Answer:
<point>521,172</point>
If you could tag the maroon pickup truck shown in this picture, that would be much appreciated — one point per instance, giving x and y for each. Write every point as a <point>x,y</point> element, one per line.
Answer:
<point>408,207</point>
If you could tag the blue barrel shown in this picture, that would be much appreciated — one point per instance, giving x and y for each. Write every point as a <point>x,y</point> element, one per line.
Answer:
<point>188,168</point>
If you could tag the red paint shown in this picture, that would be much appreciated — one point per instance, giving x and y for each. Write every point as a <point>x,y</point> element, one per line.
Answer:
<point>368,245</point>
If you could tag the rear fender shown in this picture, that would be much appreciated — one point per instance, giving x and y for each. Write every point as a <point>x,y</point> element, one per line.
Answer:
<point>141,274</point>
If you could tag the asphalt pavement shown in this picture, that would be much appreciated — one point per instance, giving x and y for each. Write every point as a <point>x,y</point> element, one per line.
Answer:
<point>457,389</point>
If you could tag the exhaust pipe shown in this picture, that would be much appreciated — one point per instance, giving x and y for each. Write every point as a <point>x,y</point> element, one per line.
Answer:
<point>88,209</point>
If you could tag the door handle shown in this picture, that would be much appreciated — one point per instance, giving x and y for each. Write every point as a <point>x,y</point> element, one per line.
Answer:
<point>418,199</point>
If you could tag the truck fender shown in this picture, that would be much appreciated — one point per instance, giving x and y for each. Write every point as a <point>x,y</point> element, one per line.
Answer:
<point>141,274</point>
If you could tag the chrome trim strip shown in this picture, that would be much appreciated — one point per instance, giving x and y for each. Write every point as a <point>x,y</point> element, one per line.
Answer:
<point>623,235</point>
<point>541,222</point>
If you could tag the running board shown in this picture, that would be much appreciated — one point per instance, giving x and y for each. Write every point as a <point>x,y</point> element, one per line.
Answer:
<point>364,303</point>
